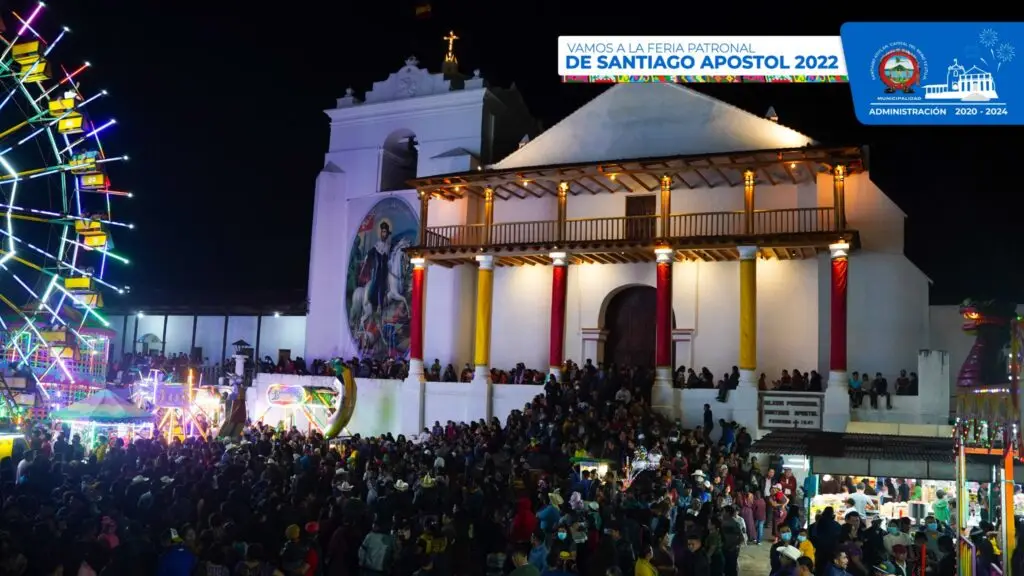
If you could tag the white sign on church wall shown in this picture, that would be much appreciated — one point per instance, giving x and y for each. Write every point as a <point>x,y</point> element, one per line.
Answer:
<point>801,411</point>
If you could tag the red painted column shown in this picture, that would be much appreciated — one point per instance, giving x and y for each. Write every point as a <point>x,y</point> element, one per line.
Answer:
<point>419,277</point>
<point>837,351</point>
<point>559,283</point>
<point>663,321</point>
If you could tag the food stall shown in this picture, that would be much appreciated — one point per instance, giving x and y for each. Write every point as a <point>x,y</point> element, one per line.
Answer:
<point>595,466</point>
<point>924,493</point>
<point>837,459</point>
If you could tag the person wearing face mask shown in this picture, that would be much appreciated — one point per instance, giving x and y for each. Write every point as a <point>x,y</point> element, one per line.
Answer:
<point>562,541</point>
<point>931,531</point>
<point>895,537</point>
<point>804,544</point>
<point>784,539</point>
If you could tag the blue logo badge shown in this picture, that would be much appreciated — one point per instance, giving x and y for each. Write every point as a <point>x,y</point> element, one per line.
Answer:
<point>938,73</point>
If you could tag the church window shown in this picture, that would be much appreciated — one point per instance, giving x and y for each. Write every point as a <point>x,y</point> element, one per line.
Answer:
<point>399,160</point>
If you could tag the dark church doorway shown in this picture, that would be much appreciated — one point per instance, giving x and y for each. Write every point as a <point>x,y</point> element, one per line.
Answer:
<point>630,322</point>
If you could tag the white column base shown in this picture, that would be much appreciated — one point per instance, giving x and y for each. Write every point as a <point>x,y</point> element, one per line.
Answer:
<point>416,372</point>
<point>664,398</point>
<point>748,379</point>
<point>478,403</point>
<point>663,376</point>
<point>556,371</point>
<point>481,375</point>
<point>836,413</point>
<point>838,379</point>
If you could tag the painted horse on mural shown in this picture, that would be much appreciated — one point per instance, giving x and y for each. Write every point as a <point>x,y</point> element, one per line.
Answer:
<point>987,364</point>
<point>386,281</point>
<point>372,303</point>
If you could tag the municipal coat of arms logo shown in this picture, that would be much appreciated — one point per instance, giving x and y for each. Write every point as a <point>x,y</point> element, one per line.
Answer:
<point>899,71</point>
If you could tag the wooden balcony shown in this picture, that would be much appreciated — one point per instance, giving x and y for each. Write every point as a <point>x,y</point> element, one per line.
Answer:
<point>786,233</point>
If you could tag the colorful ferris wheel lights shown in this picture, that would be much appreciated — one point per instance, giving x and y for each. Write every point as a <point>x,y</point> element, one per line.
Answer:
<point>27,24</point>
<point>56,198</point>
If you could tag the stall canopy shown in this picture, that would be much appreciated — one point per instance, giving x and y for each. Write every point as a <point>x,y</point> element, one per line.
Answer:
<point>865,454</point>
<point>103,407</point>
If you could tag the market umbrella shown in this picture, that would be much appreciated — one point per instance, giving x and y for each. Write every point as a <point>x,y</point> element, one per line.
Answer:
<point>103,407</point>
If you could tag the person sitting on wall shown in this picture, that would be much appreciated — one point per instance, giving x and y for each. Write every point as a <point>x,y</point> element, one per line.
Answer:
<point>856,392</point>
<point>880,387</point>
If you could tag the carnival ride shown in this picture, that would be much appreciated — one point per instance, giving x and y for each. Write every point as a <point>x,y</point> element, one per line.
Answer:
<point>180,409</point>
<point>988,417</point>
<point>314,403</point>
<point>325,409</point>
<point>56,245</point>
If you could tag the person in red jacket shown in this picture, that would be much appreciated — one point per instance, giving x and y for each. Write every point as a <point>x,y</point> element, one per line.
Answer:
<point>524,523</point>
<point>788,482</point>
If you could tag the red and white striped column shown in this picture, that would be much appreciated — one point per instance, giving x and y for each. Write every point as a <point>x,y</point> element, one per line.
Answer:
<point>419,280</point>
<point>559,285</point>
<point>663,321</point>
<point>837,375</point>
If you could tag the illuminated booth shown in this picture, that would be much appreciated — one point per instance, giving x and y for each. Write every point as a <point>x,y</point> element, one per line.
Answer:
<point>925,461</point>
<point>105,413</point>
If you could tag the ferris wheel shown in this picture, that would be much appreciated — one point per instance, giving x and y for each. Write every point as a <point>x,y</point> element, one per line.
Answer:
<point>56,208</point>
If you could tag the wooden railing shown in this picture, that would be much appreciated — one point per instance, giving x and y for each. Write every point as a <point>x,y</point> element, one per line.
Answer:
<point>794,220</point>
<point>706,224</point>
<point>459,235</point>
<point>611,228</point>
<point>633,228</point>
<point>523,232</point>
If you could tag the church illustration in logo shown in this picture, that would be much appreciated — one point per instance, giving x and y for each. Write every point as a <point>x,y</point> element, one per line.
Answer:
<point>974,85</point>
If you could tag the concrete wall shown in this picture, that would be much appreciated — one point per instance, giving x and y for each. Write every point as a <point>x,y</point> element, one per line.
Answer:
<point>176,332</point>
<point>399,407</point>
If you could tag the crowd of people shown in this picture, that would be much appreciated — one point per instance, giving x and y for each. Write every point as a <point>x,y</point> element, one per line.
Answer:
<point>483,498</point>
<point>860,385</point>
<point>131,366</point>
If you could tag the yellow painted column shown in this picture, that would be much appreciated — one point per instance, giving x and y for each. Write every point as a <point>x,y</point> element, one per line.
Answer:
<point>484,305</point>
<point>748,315</point>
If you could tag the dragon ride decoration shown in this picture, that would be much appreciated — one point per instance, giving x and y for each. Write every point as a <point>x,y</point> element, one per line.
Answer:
<point>988,409</point>
<point>346,400</point>
<point>987,399</point>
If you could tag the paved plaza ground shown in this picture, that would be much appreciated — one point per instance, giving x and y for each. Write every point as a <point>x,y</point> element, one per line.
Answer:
<point>754,560</point>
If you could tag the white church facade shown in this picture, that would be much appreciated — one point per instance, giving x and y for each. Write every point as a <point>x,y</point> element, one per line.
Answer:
<point>655,225</point>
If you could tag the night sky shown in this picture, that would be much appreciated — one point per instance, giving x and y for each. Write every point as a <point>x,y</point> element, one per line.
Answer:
<point>220,107</point>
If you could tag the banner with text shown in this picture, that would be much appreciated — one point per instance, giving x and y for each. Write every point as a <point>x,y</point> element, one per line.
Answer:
<point>935,73</point>
<point>701,59</point>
